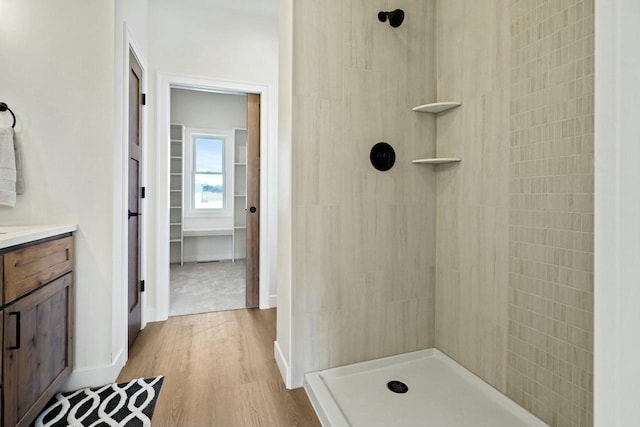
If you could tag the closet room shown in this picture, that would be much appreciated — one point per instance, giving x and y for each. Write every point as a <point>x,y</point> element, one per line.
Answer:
<point>208,201</point>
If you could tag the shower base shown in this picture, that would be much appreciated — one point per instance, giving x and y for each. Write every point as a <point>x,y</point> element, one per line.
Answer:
<point>441,393</point>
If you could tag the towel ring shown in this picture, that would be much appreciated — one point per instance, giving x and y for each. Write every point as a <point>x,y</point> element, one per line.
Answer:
<point>5,107</point>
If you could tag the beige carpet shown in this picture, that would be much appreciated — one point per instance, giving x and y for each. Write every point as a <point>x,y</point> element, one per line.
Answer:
<point>208,286</point>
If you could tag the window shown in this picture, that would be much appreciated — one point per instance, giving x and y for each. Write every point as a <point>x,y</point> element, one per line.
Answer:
<point>208,177</point>
<point>208,173</point>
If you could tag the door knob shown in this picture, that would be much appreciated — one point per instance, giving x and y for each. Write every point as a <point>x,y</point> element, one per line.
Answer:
<point>252,209</point>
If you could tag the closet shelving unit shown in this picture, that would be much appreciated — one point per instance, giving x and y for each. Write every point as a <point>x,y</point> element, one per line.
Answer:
<point>176,192</point>
<point>436,108</point>
<point>239,191</point>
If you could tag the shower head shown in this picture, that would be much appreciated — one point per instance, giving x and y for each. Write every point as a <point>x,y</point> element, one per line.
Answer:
<point>395,18</point>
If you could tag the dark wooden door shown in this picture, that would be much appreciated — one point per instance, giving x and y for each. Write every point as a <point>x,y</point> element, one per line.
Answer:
<point>37,349</point>
<point>134,211</point>
<point>253,200</point>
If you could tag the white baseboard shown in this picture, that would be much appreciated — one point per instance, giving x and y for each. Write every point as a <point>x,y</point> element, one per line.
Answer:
<point>95,376</point>
<point>283,366</point>
<point>273,301</point>
<point>153,315</point>
<point>207,258</point>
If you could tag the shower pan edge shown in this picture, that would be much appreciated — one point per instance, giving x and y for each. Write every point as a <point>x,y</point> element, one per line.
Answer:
<point>332,414</point>
<point>323,403</point>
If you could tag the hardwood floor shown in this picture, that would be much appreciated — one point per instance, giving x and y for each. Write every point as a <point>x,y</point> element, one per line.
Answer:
<point>219,371</point>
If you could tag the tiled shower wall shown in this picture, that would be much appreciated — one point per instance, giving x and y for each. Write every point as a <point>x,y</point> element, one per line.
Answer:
<point>514,258</point>
<point>511,266</point>
<point>363,252</point>
<point>522,321</point>
<point>473,196</point>
<point>550,341</point>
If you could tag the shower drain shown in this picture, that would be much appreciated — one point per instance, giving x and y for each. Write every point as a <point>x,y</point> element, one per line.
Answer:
<point>397,386</point>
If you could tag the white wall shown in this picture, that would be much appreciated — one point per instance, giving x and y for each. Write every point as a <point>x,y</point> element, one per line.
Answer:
<point>197,38</point>
<point>58,77</point>
<point>284,343</point>
<point>207,110</point>
<point>617,213</point>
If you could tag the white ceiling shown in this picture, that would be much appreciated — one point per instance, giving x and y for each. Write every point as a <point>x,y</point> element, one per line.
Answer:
<point>266,8</point>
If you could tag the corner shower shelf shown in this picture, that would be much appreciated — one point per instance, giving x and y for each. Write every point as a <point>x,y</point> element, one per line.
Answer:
<point>436,107</point>
<point>437,160</point>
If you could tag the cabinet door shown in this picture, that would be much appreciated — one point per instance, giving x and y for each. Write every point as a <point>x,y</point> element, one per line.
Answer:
<point>1,329</point>
<point>37,349</point>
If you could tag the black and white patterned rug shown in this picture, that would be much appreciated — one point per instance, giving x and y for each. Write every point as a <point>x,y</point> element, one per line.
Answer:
<point>126,404</point>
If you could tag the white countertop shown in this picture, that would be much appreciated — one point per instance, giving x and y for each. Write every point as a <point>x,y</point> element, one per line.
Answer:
<point>19,234</point>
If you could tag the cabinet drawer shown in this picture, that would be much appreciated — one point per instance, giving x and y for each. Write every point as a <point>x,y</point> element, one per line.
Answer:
<point>29,268</point>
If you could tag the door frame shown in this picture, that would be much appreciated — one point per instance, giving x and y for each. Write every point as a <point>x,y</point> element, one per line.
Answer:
<point>268,213</point>
<point>136,68</point>
<point>120,309</point>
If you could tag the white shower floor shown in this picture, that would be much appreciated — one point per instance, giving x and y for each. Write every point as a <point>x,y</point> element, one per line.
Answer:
<point>441,394</point>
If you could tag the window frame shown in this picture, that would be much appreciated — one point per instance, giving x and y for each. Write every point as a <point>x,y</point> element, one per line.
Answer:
<point>190,173</point>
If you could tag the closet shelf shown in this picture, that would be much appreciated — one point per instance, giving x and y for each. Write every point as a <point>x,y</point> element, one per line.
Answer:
<point>176,221</point>
<point>436,107</point>
<point>437,160</point>
<point>239,191</point>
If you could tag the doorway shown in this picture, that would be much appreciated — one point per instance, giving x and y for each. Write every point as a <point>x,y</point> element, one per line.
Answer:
<point>268,206</point>
<point>214,186</point>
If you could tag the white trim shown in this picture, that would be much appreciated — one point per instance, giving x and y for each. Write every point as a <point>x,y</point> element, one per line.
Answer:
<point>143,181</point>
<point>285,328</point>
<point>606,326</point>
<point>152,313</point>
<point>97,375</point>
<point>119,321</point>
<point>285,372</point>
<point>617,213</point>
<point>268,242</point>
<point>273,300</point>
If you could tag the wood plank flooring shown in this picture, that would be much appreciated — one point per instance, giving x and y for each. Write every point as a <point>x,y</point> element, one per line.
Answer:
<point>219,371</point>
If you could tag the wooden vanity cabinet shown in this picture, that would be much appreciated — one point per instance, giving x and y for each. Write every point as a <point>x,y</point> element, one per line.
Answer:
<point>1,329</point>
<point>37,327</point>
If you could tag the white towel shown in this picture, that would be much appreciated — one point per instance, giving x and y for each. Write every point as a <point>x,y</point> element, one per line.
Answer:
<point>8,172</point>
<point>19,177</point>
